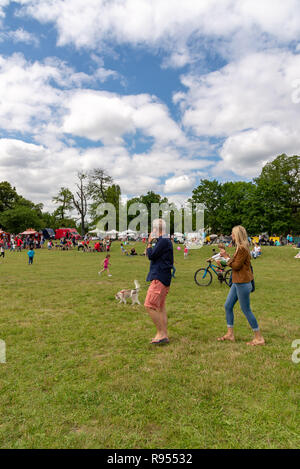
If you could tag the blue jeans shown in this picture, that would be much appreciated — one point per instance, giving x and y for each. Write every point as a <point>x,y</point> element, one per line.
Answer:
<point>241,292</point>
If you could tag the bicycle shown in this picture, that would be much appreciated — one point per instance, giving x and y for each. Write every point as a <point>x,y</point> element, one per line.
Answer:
<point>203,277</point>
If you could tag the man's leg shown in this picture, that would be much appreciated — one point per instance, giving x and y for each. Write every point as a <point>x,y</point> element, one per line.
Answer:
<point>157,317</point>
<point>165,321</point>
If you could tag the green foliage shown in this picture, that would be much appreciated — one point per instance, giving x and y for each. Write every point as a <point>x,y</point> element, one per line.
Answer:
<point>148,199</point>
<point>8,196</point>
<point>20,218</point>
<point>278,191</point>
<point>64,200</point>
<point>271,203</point>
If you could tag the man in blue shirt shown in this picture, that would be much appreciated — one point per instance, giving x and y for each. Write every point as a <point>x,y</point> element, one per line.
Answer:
<point>161,257</point>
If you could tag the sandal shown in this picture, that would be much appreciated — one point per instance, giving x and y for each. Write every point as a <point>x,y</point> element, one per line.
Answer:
<point>165,340</point>
<point>256,342</point>
<point>223,338</point>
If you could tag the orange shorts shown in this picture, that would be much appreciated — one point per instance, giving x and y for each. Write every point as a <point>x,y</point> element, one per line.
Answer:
<point>156,295</point>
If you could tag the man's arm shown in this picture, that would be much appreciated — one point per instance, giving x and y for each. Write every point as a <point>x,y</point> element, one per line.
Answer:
<point>155,253</point>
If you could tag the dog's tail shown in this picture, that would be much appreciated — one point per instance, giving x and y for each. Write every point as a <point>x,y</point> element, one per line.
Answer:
<point>137,285</point>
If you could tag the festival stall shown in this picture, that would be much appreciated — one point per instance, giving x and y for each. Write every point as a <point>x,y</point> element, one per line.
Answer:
<point>30,237</point>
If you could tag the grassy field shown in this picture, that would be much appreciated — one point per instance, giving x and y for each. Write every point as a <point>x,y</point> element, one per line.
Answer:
<point>81,373</point>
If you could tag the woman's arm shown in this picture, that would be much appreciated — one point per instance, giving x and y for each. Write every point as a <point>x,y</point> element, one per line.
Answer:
<point>238,260</point>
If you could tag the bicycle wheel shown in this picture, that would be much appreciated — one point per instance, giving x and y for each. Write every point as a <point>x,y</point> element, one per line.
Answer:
<point>203,277</point>
<point>227,277</point>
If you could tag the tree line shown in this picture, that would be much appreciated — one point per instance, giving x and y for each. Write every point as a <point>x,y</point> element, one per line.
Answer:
<point>270,203</point>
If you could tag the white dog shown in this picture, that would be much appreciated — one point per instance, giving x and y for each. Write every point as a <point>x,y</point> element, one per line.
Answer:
<point>133,294</point>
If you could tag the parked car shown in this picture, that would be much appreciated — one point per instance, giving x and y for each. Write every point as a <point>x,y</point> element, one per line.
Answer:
<point>67,232</point>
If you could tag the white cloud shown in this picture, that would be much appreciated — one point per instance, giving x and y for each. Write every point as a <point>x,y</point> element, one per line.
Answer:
<point>20,35</point>
<point>246,100</point>
<point>245,153</point>
<point>173,26</point>
<point>39,100</point>
<point>179,184</point>
<point>248,103</point>
<point>108,117</point>
<point>3,4</point>
<point>33,95</point>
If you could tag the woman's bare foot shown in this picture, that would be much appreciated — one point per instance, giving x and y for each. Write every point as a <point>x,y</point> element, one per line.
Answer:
<point>258,339</point>
<point>255,342</point>
<point>229,336</point>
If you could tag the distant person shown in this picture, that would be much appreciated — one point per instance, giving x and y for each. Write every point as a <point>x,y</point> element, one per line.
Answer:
<point>19,244</point>
<point>241,287</point>
<point>106,266</point>
<point>30,256</point>
<point>256,252</point>
<point>133,252</point>
<point>161,263</point>
<point>185,251</point>
<point>2,251</point>
<point>123,250</point>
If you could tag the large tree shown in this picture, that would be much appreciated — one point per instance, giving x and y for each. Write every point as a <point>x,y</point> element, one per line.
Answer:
<point>64,200</point>
<point>147,199</point>
<point>80,198</point>
<point>278,192</point>
<point>209,193</point>
<point>8,196</point>
<point>98,183</point>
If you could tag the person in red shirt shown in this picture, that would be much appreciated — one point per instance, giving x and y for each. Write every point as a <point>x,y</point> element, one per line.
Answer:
<point>19,244</point>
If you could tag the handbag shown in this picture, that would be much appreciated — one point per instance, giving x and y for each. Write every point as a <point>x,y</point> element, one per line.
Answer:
<point>252,281</point>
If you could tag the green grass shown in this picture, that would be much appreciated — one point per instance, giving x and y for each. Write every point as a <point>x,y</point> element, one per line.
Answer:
<point>81,373</point>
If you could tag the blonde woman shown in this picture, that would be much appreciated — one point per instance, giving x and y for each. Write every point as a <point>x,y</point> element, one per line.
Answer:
<point>241,286</point>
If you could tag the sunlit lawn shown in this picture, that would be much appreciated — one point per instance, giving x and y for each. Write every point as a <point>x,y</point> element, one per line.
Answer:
<point>81,373</point>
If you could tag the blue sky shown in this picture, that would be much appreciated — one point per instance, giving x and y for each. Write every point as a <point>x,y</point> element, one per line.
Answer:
<point>158,93</point>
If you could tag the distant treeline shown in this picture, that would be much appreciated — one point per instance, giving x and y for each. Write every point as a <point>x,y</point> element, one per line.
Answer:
<point>270,203</point>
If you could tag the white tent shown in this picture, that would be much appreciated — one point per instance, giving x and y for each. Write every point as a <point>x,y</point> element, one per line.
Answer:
<point>112,233</point>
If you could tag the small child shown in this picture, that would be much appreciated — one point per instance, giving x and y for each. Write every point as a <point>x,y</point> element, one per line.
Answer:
<point>256,251</point>
<point>105,266</point>
<point>221,258</point>
<point>123,250</point>
<point>2,253</point>
<point>30,256</point>
<point>186,251</point>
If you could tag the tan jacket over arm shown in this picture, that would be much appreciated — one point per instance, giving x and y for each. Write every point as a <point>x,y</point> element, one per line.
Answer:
<point>241,266</point>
